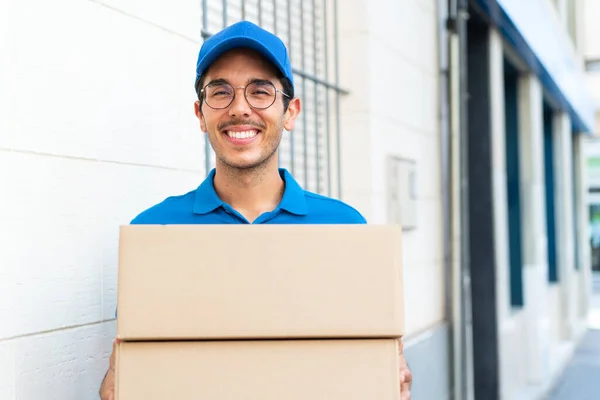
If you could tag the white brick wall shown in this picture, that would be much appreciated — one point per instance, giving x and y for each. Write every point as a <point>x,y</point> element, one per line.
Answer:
<point>95,126</point>
<point>393,110</point>
<point>7,381</point>
<point>91,82</point>
<point>62,221</point>
<point>67,364</point>
<point>182,17</point>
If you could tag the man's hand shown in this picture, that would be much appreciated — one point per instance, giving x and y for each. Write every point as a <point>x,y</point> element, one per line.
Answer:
<point>107,389</point>
<point>405,375</point>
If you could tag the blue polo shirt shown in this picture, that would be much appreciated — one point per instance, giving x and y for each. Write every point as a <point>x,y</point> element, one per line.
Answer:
<point>203,206</point>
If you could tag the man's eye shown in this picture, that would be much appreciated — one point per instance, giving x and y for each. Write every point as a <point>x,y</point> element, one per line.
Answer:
<point>221,93</point>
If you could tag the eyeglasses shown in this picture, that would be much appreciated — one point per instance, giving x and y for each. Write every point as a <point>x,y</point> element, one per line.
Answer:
<point>259,95</point>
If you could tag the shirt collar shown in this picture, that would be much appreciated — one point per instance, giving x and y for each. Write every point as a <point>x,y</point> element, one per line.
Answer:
<point>207,199</point>
<point>293,200</point>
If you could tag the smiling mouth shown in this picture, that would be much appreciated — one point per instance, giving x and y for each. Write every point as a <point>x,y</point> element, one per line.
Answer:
<point>242,135</point>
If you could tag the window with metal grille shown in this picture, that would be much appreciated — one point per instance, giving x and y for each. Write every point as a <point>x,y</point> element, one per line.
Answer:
<point>309,30</point>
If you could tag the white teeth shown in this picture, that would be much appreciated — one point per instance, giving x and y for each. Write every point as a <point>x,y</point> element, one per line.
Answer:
<point>242,135</point>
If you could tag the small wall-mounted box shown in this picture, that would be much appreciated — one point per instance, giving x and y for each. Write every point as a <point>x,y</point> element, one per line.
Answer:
<point>402,192</point>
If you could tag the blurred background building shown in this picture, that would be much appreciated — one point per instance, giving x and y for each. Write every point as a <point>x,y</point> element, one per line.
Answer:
<point>470,123</point>
<point>592,65</point>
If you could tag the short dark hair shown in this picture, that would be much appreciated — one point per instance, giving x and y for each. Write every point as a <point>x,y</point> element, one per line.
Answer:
<point>286,85</point>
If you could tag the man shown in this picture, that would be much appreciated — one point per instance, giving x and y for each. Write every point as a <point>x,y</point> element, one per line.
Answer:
<point>245,90</point>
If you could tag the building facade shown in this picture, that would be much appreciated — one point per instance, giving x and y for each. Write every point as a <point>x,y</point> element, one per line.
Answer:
<point>529,112</point>
<point>466,131</point>
<point>592,148</point>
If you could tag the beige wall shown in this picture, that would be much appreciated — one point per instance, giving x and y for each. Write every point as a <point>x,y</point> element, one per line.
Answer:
<point>388,58</point>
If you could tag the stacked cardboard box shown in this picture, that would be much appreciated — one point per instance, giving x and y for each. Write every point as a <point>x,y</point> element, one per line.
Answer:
<point>270,312</point>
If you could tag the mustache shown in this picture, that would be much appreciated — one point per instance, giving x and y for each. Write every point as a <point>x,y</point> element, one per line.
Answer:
<point>227,124</point>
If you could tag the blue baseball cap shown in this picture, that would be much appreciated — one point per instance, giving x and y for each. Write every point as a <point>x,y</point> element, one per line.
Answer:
<point>244,34</point>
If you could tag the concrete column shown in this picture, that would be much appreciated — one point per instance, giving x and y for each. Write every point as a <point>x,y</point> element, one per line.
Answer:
<point>533,228</point>
<point>563,161</point>
<point>355,116</point>
<point>500,212</point>
<point>499,174</point>
<point>582,284</point>
<point>506,371</point>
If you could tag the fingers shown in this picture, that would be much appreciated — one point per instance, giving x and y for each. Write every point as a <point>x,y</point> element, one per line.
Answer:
<point>113,355</point>
<point>404,391</point>
<point>408,376</point>
<point>405,382</point>
<point>111,396</point>
<point>405,374</point>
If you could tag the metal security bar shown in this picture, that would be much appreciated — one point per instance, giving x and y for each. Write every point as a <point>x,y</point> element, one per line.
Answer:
<point>311,152</point>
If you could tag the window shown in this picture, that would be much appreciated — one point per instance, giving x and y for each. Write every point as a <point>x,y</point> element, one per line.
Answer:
<point>549,175</point>
<point>511,107</point>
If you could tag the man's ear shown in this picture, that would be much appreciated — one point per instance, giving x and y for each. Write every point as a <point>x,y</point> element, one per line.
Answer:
<point>198,112</point>
<point>292,113</point>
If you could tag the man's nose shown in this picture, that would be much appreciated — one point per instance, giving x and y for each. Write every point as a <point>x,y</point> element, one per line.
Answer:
<point>239,106</point>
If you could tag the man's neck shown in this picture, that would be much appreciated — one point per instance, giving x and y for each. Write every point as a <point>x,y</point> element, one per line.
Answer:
<point>251,192</point>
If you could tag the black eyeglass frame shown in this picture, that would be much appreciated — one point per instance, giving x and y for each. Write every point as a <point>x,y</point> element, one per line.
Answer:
<point>203,94</point>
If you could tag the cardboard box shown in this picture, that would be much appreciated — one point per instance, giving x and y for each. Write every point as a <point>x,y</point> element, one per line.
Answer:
<point>259,370</point>
<point>265,281</point>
